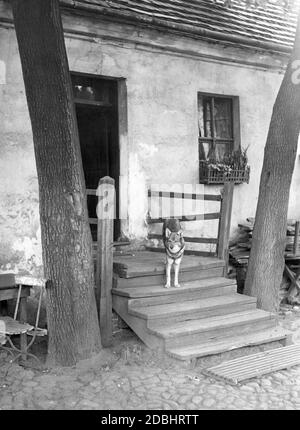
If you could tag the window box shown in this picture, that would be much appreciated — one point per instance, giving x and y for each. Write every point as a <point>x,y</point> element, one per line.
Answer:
<point>218,173</point>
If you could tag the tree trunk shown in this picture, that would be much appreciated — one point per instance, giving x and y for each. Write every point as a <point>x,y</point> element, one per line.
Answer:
<point>266,262</point>
<point>67,246</point>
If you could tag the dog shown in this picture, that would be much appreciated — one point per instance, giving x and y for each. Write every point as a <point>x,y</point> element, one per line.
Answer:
<point>174,245</point>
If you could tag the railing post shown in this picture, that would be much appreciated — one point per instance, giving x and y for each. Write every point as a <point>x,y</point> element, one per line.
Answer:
<point>224,224</point>
<point>104,261</point>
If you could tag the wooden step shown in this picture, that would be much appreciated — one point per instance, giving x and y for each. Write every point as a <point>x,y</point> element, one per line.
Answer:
<point>193,309</point>
<point>227,344</point>
<point>157,294</point>
<point>160,279</point>
<point>214,328</point>
<point>146,263</point>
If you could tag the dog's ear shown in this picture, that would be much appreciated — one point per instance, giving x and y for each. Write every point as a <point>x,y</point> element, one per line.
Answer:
<point>168,232</point>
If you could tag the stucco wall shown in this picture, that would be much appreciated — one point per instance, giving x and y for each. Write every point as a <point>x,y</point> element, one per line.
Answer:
<point>20,249</point>
<point>163,75</point>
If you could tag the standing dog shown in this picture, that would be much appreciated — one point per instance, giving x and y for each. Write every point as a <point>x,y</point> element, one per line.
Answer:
<point>174,246</point>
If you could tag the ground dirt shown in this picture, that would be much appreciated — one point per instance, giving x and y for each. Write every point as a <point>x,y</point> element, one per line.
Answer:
<point>130,376</point>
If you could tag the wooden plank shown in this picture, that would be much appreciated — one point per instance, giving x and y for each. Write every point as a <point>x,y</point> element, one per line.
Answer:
<point>12,293</point>
<point>228,344</point>
<point>7,280</point>
<point>200,306</point>
<point>187,252</point>
<point>294,278</point>
<point>97,103</point>
<point>90,192</point>
<point>219,322</point>
<point>153,279</point>
<point>296,238</point>
<point>115,244</point>
<point>187,286</point>
<point>30,281</point>
<point>188,239</point>
<point>225,221</point>
<point>191,196</point>
<point>254,365</point>
<point>186,218</point>
<point>145,263</point>
<point>104,262</point>
<point>121,244</point>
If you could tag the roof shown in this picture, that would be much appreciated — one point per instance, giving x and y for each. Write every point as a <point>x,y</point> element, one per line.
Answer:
<point>269,26</point>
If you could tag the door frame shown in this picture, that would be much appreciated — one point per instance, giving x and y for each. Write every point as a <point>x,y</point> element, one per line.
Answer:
<point>123,191</point>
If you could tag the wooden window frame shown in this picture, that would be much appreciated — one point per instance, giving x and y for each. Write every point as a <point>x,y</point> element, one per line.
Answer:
<point>235,141</point>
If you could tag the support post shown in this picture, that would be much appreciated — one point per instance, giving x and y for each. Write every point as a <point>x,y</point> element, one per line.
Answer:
<point>104,262</point>
<point>224,224</point>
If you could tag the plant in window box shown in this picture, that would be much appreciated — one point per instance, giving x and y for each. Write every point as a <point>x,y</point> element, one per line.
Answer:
<point>233,168</point>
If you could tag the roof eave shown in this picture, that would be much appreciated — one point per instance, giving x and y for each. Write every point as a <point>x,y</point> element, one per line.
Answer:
<point>183,29</point>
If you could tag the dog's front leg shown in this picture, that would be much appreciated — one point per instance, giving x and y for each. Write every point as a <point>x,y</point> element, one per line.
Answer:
<point>169,262</point>
<point>176,270</point>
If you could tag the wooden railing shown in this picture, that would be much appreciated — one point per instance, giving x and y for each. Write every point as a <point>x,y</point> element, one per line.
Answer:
<point>105,242</point>
<point>224,217</point>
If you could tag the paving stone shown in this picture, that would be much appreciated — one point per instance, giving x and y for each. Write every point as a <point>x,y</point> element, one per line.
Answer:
<point>197,400</point>
<point>149,385</point>
<point>208,403</point>
<point>247,388</point>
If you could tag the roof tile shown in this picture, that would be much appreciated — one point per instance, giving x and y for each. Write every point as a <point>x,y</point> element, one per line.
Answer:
<point>269,24</point>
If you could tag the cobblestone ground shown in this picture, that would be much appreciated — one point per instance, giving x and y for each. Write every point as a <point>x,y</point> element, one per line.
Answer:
<point>129,376</point>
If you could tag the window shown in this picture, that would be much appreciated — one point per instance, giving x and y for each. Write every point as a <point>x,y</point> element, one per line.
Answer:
<point>218,121</point>
<point>93,91</point>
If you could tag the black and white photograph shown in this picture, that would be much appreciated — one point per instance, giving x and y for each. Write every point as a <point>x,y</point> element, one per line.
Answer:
<point>149,208</point>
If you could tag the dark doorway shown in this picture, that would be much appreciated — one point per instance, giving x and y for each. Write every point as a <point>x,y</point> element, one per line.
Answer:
<point>96,102</point>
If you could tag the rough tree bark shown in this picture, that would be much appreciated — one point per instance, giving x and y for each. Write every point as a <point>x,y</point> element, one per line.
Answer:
<point>67,247</point>
<point>266,262</point>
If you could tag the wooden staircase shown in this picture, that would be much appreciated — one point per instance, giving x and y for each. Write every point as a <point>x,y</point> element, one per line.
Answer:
<point>204,316</point>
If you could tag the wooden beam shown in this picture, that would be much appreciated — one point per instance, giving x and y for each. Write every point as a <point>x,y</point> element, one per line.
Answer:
<point>174,195</point>
<point>294,278</point>
<point>185,218</point>
<point>188,239</point>
<point>186,252</point>
<point>96,103</point>
<point>104,260</point>
<point>224,224</point>
<point>91,192</point>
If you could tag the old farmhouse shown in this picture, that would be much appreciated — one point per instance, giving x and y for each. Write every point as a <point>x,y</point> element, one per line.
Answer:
<point>159,86</point>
